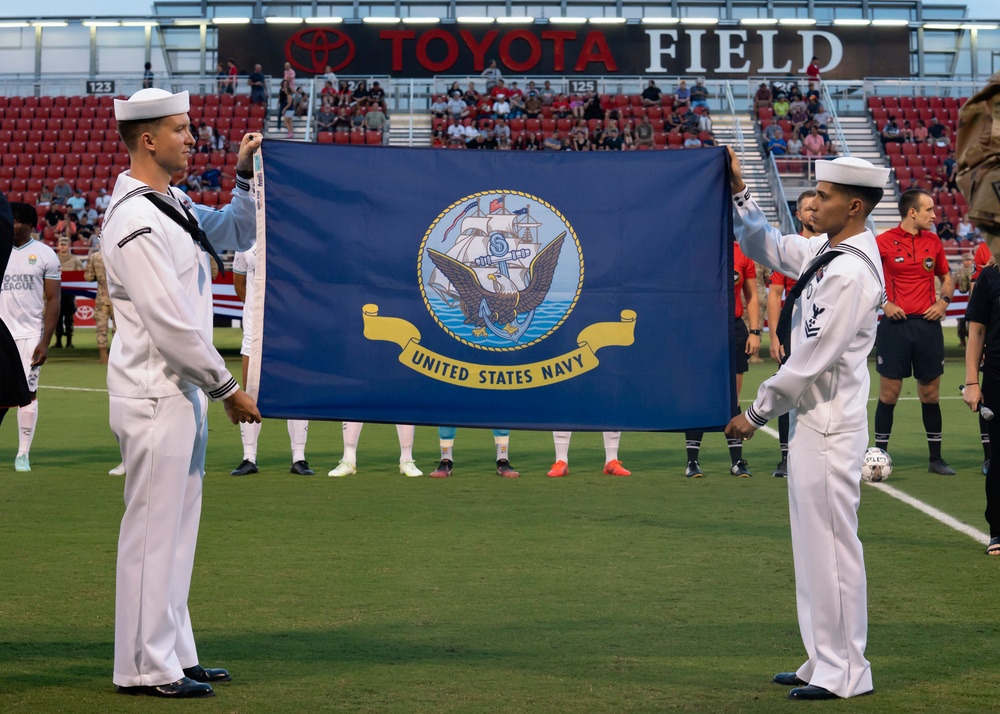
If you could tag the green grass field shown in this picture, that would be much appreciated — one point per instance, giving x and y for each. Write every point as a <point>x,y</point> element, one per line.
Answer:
<point>379,593</point>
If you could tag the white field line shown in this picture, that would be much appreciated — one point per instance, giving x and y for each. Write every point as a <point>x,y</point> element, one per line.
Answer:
<point>72,389</point>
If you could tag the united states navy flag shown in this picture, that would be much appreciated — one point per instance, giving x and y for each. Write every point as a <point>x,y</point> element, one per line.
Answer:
<point>541,290</point>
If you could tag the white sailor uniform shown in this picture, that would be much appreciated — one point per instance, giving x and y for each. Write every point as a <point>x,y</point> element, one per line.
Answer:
<point>824,386</point>
<point>160,370</point>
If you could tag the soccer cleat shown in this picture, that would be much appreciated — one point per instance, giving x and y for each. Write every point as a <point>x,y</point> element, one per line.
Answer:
<point>615,468</point>
<point>344,468</point>
<point>741,469</point>
<point>443,470</point>
<point>301,468</point>
<point>409,468</point>
<point>940,466</point>
<point>506,470</point>
<point>694,470</point>
<point>118,470</point>
<point>245,468</point>
<point>986,467</point>
<point>21,463</point>
<point>559,469</point>
<point>781,470</point>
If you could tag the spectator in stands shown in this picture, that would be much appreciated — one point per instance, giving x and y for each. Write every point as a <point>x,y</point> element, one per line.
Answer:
<point>945,229</point>
<point>579,137</point>
<point>375,119</point>
<point>471,132</point>
<point>360,96</point>
<point>644,133</point>
<point>54,214</point>
<point>211,178</point>
<point>147,75</point>
<point>699,94</point>
<point>205,137</point>
<point>531,142</point>
<point>651,95</point>
<point>795,145</point>
<point>822,116</point>
<point>501,132</point>
<point>61,192</point>
<point>907,132</point>
<point>471,96</point>
<point>301,101</point>
<point>951,171</point>
<point>329,75</point>
<point>438,140</point>
<point>258,86</point>
<point>691,120</point>
<point>328,90</point>
<point>563,107</point>
<point>705,120</point>
<point>777,146</point>
<point>812,71</point>
<point>289,76</point>
<point>326,118</point>
<point>812,93</point>
<point>492,75</point>
<point>103,201</point>
<point>814,143</point>
<point>286,108</point>
<point>938,132</point>
<point>439,107</point>
<point>691,141</point>
<point>454,88</point>
<point>964,230</point>
<point>891,132</point>
<point>673,122</point>
<point>484,140</point>
<point>682,95</point>
<point>344,93</point>
<point>67,303</point>
<point>797,116</point>
<point>501,107</point>
<point>77,201</point>
<point>781,106</point>
<point>920,132</point>
<point>516,104</point>
<point>357,117</point>
<point>939,180</point>
<point>553,142</point>
<point>456,107</point>
<point>456,132</point>
<point>592,108</point>
<point>484,110</point>
<point>221,78</point>
<point>548,93</point>
<point>533,105</point>
<point>87,217</point>
<point>45,196</point>
<point>343,120</point>
<point>628,138</point>
<point>708,139</point>
<point>233,73</point>
<point>376,93</point>
<point>613,140</point>
<point>763,99</point>
<point>499,90</point>
<point>796,102</point>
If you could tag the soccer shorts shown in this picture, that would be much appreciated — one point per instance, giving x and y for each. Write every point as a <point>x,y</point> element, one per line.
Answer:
<point>738,346</point>
<point>26,348</point>
<point>911,346</point>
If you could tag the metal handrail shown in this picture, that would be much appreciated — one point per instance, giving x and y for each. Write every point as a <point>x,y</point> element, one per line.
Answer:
<point>787,224</point>
<point>843,149</point>
<point>737,127</point>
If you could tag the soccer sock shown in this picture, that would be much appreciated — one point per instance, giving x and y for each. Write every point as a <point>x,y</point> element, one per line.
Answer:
<point>27,417</point>
<point>561,439</point>
<point>405,434</point>
<point>783,435</point>
<point>932,425</point>
<point>984,436</point>
<point>352,435</point>
<point>883,424</point>
<point>446,447</point>
<point>298,432</point>
<point>501,442</point>
<point>692,442</point>
<point>735,449</point>
<point>611,439</point>
<point>249,434</point>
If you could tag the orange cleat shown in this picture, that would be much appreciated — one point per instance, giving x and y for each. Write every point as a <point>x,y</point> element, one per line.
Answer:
<point>559,469</point>
<point>615,468</point>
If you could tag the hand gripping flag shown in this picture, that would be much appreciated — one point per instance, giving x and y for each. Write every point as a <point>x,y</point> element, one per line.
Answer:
<point>542,290</point>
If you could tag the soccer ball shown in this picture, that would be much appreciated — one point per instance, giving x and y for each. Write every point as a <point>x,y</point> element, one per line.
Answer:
<point>877,466</point>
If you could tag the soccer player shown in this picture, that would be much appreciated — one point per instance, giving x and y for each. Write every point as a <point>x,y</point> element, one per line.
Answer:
<point>446,436</point>
<point>779,287</point>
<point>612,466</point>
<point>742,344</point>
<point>29,306</point>
<point>910,338</point>
<point>352,435</point>
<point>244,269</point>
<point>831,320</point>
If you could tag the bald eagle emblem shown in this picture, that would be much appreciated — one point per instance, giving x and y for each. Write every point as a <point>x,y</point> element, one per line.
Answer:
<point>500,270</point>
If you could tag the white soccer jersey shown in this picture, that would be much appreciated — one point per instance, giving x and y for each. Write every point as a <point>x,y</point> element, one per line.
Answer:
<point>22,298</point>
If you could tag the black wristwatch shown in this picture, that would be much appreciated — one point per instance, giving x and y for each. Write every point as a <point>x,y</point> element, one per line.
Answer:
<point>245,174</point>
<point>946,299</point>
<point>755,332</point>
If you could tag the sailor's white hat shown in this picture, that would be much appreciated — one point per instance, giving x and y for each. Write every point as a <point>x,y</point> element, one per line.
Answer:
<point>852,171</point>
<point>151,103</point>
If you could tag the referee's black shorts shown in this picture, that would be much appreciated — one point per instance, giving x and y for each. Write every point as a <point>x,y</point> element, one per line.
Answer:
<point>738,346</point>
<point>913,345</point>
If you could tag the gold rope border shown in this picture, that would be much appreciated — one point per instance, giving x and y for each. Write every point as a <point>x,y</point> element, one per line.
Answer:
<point>508,192</point>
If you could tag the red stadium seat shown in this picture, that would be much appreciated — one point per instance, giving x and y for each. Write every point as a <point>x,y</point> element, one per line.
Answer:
<point>342,137</point>
<point>373,138</point>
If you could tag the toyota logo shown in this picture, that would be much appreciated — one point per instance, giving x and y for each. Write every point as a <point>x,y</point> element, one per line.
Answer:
<point>85,312</point>
<point>313,49</point>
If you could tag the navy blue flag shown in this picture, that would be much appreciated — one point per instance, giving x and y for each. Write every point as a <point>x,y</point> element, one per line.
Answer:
<point>529,290</point>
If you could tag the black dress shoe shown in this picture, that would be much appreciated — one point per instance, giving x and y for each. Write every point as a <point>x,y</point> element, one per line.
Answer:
<point>246,467</point>
<point>789,679</point>
<point>302,469</point>
<point>184,688</point>
<point>209,676</point>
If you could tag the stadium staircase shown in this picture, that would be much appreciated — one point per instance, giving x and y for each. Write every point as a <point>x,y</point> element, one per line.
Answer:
<point>752,161</point>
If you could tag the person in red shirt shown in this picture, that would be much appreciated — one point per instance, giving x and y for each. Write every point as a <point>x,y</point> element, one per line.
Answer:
<point>742,344</point>
<point>812,71</point>
<point>981,258</point>
<point>233,73</point>
<point>779,286</point>
<point>910,339</point>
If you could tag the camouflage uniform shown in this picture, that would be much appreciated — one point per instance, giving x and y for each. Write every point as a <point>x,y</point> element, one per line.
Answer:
<point>102,303</point>
<point>67,305</point>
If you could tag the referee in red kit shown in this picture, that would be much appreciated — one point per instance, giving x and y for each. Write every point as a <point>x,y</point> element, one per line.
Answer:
<point>910,339</point>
